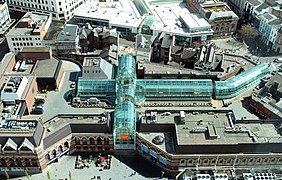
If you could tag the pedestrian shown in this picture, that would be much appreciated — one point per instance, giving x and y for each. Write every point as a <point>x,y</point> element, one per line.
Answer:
<point>162,175</point>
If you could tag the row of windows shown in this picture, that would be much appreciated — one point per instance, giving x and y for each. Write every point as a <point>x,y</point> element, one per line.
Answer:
<point>36,1</point>
<point>23,44</point>
<point>24,39</point>
<point>87,71</point>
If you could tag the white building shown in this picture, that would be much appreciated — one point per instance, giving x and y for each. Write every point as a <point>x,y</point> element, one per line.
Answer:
<point>5,20</point>
<point>268,28</point>
<point>96,68</point>
<point>60,10</point>
<point>28,32</point>
<point>121,14</point>
<point>127,18</point>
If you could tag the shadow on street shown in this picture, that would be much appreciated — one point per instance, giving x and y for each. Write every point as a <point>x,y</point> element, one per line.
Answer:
<point>140,165</point>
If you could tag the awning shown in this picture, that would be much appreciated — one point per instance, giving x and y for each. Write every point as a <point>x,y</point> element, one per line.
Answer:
<point>153,154</point>
<point>162,160</point>
<point>144,148</point>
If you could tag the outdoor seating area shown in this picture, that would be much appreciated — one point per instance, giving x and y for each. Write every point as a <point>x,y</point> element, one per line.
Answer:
<point>102,162</point>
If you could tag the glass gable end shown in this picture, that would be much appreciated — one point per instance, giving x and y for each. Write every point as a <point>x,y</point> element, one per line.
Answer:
<point>240,83</point>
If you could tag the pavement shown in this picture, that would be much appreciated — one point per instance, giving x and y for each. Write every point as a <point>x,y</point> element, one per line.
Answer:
<point>232,45</point>
<point>239,48</point>
<point>119,170</point>
<point>56,101</point>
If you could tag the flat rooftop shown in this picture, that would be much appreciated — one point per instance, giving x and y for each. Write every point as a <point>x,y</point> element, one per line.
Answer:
<point>125,14</point>
<point>46,67</point>
<point>168,19</point>
<point>35,49</point>
<point>30,19</point>
<point>202,128</point>
<point>121,12</point>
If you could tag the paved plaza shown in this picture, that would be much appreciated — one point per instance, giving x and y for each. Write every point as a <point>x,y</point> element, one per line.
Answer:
<point>119,170</point>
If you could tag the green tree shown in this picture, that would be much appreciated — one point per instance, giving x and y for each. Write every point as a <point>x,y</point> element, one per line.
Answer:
<point>26,174</point>
<point>70,175</point>
<point>248,32</point>
<point>48,175</point>
<point>6,174</point>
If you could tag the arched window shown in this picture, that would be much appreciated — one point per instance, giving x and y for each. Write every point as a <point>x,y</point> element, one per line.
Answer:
<point>60,148</point>
<point>12,162</point>
<point>66,145</point>
<point>99,140</point>
<point>84,140</point>
<point>91,140</point>
<point>77,141</point>
<point>106,141</point>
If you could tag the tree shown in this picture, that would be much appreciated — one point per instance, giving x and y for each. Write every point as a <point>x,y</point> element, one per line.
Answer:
<point>26,174</point>
<point>6,174</point>
<point>48,175</point>
<point>248,32</point>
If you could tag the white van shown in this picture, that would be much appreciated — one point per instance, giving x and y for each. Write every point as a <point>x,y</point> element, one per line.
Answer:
<point>93,100</point>
<point>278,60</point>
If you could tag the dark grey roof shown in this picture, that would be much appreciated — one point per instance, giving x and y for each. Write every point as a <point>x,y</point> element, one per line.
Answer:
<point>254,2</point>
<point>68,33</point>
<point>46,67</point>
<point>56,136</point>
<point>74,128</point>
<point>267,16</point>
<point>261,7</point>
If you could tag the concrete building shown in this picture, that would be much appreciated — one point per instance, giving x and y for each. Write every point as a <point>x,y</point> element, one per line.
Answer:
<point>268,29</point>
<point>169,18</point>
<point>96,68</point>
<point>266,102</point>
<point>222,19</point>
<point>266,17</point>
<point>67,41</point>
<point>60,10</point>
<point>278,41</point>
<point>28,32</point>
<point>5,20</point>
<point>143,47</point>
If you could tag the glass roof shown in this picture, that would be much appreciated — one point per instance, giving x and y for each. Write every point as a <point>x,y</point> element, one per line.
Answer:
<point>125,115</point>
<point>244,76</point>
<point>142,7</point>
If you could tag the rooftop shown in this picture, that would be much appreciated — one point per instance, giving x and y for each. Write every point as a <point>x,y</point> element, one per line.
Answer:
<point>68,33</point>
<point>35,49</point>
<point>121,12</point>
<point>212,128</point>
<point>46,67</point>
<point>30,24</point>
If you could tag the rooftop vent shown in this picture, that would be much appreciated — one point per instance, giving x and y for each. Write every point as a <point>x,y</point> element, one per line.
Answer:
<point>158,140</point>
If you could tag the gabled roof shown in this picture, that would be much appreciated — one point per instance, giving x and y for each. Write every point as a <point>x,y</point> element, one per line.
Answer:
<point>11,144</point>
<point>28,144</point>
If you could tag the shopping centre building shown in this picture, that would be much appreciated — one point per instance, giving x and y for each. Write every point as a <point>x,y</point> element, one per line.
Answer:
<point>171,137</point>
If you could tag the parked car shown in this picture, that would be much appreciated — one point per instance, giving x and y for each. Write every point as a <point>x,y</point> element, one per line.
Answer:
<point>38,111</point>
